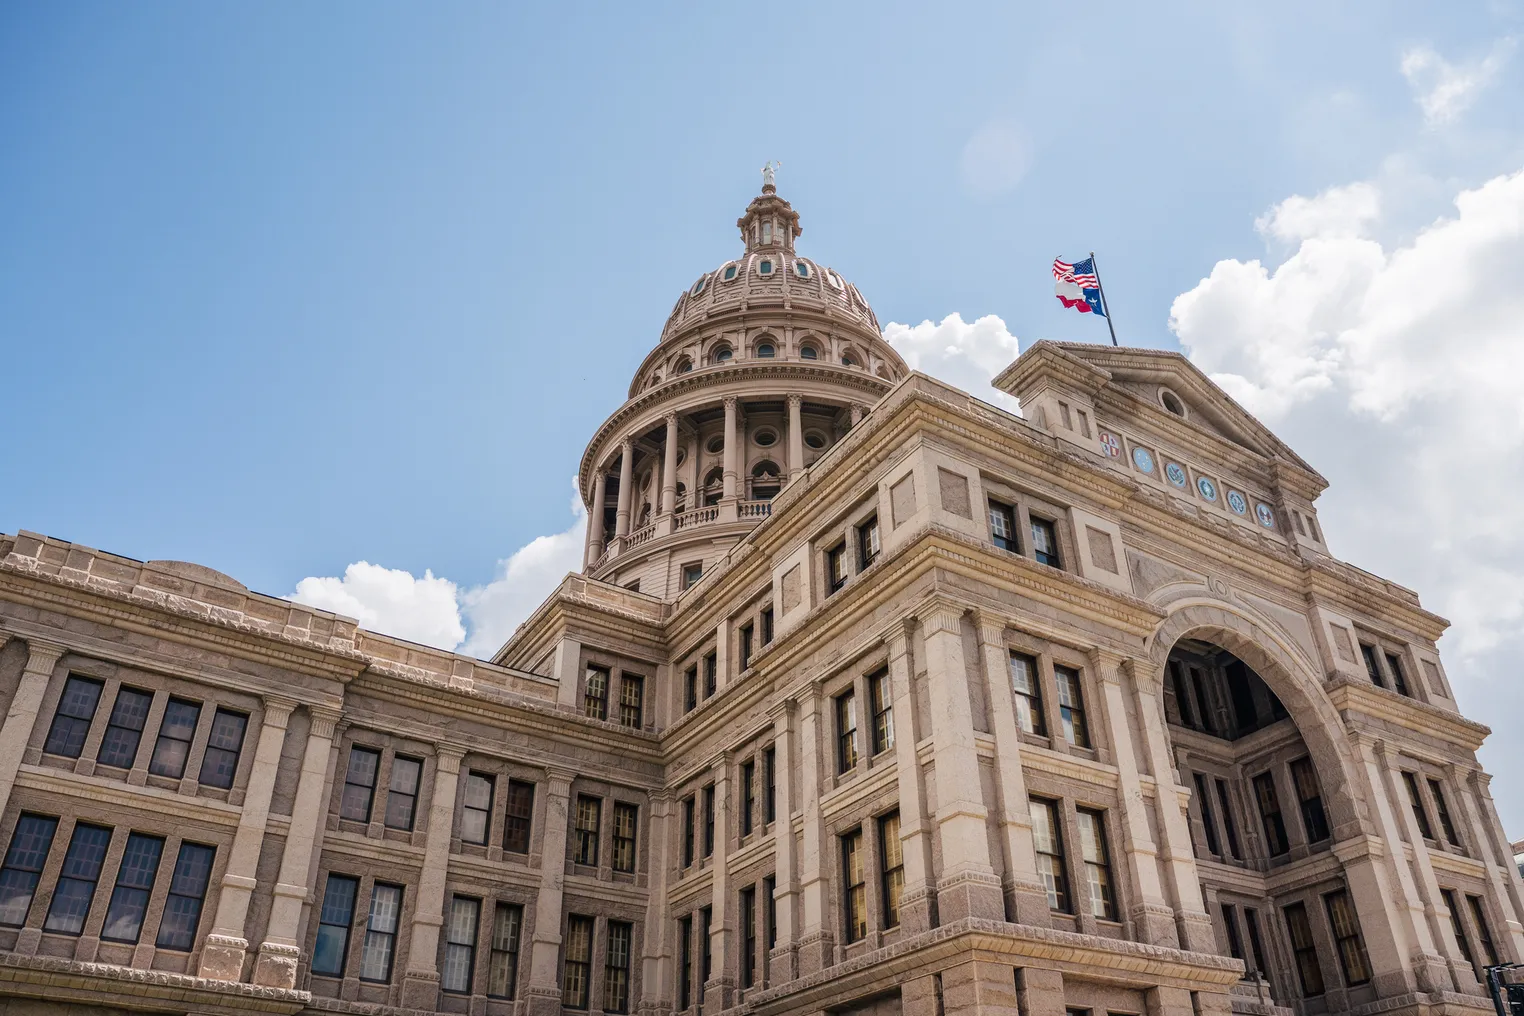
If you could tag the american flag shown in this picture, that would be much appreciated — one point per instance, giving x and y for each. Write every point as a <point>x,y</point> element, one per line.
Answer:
<point>1081,273</point>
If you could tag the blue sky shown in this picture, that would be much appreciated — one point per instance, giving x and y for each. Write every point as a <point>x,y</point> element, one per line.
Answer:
<point>284,288</point>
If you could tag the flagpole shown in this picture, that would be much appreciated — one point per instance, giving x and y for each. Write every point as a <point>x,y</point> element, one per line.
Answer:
<point>1104,306</point>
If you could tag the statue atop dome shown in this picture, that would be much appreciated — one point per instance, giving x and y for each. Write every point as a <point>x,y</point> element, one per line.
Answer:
<point>769,176</point>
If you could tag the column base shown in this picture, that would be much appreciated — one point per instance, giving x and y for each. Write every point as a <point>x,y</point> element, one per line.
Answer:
<point>1195,931</point>
<point>420,989</point>
<point>719,995</point>
<point>277,965</point>
<point>817,951</point>
<point>970,894</point>
<point>979,986</point>
<point>1029,904</point>
<point>783,964</point>
<point>918,910</point>
<point>222,958</point>
<point>1154,923</point>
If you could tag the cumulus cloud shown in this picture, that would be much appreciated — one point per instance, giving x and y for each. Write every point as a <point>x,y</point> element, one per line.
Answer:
<point>390,600</point>
<point>961,353</point>
<point>1338,211</point>
<point>1444,90</point>
<point>994,160</point>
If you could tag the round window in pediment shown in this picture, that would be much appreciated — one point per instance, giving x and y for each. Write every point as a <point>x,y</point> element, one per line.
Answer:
<point>1171,402</point>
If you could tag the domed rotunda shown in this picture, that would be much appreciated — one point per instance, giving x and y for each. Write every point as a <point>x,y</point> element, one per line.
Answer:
<point>763,365</point>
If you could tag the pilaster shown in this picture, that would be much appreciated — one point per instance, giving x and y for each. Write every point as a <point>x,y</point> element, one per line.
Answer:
<point>783,959</point>
<point>544,993</point>
<point>420,980</point>
<point>21,718</point>
<point>918,898</point>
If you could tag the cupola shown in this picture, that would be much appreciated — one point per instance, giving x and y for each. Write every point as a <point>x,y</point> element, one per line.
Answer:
<point>770,223</point>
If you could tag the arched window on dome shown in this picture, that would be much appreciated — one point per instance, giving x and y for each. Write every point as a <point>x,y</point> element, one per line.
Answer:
<point>833,278</point>
<point>683,366</point>
<point>681,504</point>
<point>801,269</point>
<point>851,358</point>
<point>766,350</point>
<point>808,352</point>
<point>714,485</point>
<point>764,482</point>
<point>723,354</point>
<point>730,273</point>
<point>698,287</point>
<point>883,372</point>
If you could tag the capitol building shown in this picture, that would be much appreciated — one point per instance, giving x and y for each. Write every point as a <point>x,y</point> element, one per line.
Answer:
<point>869,698</point>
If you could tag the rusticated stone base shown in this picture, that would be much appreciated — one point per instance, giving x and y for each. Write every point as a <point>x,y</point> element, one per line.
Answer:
<point>420,989</point>
<point>1155,925</point>
<point>222,958</point>
<point>277,965</point>
<point>970,894</point>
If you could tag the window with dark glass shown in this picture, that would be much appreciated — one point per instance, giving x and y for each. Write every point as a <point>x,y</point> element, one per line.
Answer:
<point>891,866</point>
<point>1092,834</point>
<point>1420,813</point>
<point>706,950</point>
<point>1270,814</point>
<point>1251,918</point>
<point>220,763</point>
<point>359,783</point>
<point>1372,665</point>
<point>1208,826</point>
<point>187,891</point>
<point>684,962</point>
<point>1483,930</point>
<point>1230,923</point>
<point>1229,825</point>
<point>176,731</point>
<point>460,945</point>
<point>868,544</point>
<point>632,695</point>
<point>380,943</point>
<point>124,730</point>
<point>476,808</point>
<point>855,902</point>
<point>746,634</point>
<point>1049,843</point>
<point>626,818</point>
<point>71,722</point>
<point>595,693</point>
<point>589,824</point>
<point>1399,679</point>
<point>24,861</point>
<point>770,791</point>
<point>709,820</point>
<point>81,872</point>
<point>1029,714</point>
<point>134,885</point>
<point>1441,809</point>
<point>767,625</point>
<point>576,969</point>
<point>1003,527</point>
<point>881,697</point>
<point>616,967</point>
<point>1044,542</point>
<point>1182,691</point>
<point>711,674</point>
<point>503,965</point>
<point>748,795</point>
<point>1458,929</point>
<point>689,830</point>
<point>520,817</point>
<point>335,918</point>
<point>691,574</point>
<point>769,919</point>
<point>1346,931</point>
<point>1308,970</point>
<point>1314,819</point>
<point>846,732</point>
<point>402,796</point>
<point>1071,706</point>
<point>836,568</point>
<point>748,936</point>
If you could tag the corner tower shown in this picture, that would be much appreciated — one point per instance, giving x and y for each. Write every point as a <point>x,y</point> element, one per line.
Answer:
<point>763,365</point>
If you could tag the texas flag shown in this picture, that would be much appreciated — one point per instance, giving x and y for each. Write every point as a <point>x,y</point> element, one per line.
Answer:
<point>1076,286</point>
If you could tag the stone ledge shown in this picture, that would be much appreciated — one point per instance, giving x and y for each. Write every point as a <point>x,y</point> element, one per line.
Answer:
<point>60,980</point>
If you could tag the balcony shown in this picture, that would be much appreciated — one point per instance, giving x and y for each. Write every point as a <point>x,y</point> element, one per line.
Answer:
<point>725,513</point>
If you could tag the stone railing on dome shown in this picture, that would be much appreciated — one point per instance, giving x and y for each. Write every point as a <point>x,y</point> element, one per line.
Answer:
<point>697,517</point>
<point>755,509</point>
<point>640,536</point>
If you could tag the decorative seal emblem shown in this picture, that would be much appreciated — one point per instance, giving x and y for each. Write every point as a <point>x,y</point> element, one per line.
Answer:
<point>1110,445</point>
<point>1265,515</point>
<point>1207,488</point>
<point>1237,503</point>
<point>1176,474</point>
<point>1143,459</point>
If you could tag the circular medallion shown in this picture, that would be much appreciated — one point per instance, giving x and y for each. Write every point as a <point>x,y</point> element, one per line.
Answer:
<point>1265,515</point>
<point>1110,445</point>
<point>1176,473</point>
<point>1237,503</point>
<point>1143,459</point>
<point>1206,488</point>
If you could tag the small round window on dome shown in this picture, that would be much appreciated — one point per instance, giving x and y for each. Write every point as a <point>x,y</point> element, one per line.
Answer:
<point>766,437</point>
<point>682,456</point>
<point>801,269</point>
<point>814,439</point>
<point>698,287</point>
<point>723,354</point>
<point>730,272</point>
<point>807,353</point>
<point>766,351</point>
<point>765,268</point>
<point>1172,402</point>
<point>716,445</point>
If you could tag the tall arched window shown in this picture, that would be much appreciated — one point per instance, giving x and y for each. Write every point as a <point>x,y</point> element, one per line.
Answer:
<point>714,485</point>
<point>765,483</point>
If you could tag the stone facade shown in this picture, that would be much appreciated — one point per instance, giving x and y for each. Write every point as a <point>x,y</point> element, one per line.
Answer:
<point>948,710</point>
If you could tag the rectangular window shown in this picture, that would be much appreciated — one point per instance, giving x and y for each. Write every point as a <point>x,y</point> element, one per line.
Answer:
<point>1230,923</point>
<point>134,886</point>
<point>1346,932</point>
<point>1420,813</point>
<point>220,763</point>
<point>24,860</point>
<point>1314,819</point>
<point>769,920</point>
<point>616,967</point>
<point>359,783</point>
<point>595,693</point>
<point>124,730</point>
<point>1399,679</point>
<point>836,568</point>
<point>1372,666</point>
<point>1443,811</point>
<point>689,831</point>
<point>767,625</point>
<point>460,945</point>
<point>711,674</point>
<point>868,545</point>
<point>1049,843</point>
<point>503,966</point>
<point>748,936</point>
<point>1029,715</point>
<point>381,933</point>
<point>1044,542</point>
<point>770,791</point>
<point>1182,693</point>
<point>1251,918</point>
<point>517,825</point>
<point>748,795</point>
<point>891,866</point>
<point>855,900</point>
<point>706,950</point>
<point>690,689</point>
<point>1483,930</point>
<point>1003,527</point>
<point>746,634</point>
<point>334,921</point>
<point>402,797</point>
<point>632,697</point>
<point>1308,970</point>
<point>71,723</point>
<point>476,808</point>
<point>1092,834</point>
<point>1458,929</point>
<point>626,818</point>
<point>1071,707</point>
<point>1230,826</point>
<point>176,731</point>
<point>685,962</point>
<point>589,825</point>
<point>187,891</point>
<point>1270,814</point>
<point>881,696</point>
<point>81,872</point>
<point>709,820</point>
<point>846,732</point>
<point>1207,824</point>
<point>691,574</point>
<point>577,968</point>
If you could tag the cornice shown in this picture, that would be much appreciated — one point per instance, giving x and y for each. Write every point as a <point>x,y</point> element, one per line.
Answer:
<point>1405,713</point>
<point>111,987</point>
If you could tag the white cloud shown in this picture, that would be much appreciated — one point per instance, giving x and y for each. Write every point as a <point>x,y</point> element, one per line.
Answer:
<point>390,600</point>
<point>994,160</point>
<point>965,354</point>
<point>1338,211</point>
<point>1444,90</point>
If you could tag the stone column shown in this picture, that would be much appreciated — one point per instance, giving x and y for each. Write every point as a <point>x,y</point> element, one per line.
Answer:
<point>782,961</point>
<point>281,953</point>
<point>732,452</point>
<point>669,468</point>
<point>969,886</point>
<point>816,942</point>
<point>626,481</point>
<point>719,990</point>
<point>1025,891</point>
<point>544,993</point>
<point>1153,919</point>
<point>16,734</point>
<point>656,950</point>
<point>595,519</point>
<point>223,955</point>
<point>795,437</point>
<point>420,982</point>
<point>918,897</point>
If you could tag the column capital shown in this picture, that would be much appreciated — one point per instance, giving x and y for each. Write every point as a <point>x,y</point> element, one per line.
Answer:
<point>795,400</point>
<point>448,756</point>
<point>1107,664</point>
<point>555,773</point>
<point>898,636</point>
<point>941,616</point>
<point>991,627</point>
<point>781,710</point>
<point>671,420</point>
<point>1146,677</point>
<point>278,710</point>
<point>325,720</point>
<point>42,655</point>
<point>626,444</point>
<point>731,403</point>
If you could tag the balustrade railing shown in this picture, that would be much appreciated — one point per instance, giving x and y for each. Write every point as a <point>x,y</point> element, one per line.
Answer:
<point>755,509</point>
<point>697,517</point>
<point>640,536</point>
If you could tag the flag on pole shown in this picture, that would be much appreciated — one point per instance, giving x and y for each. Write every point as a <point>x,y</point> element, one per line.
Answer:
<point>1077,286</point>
